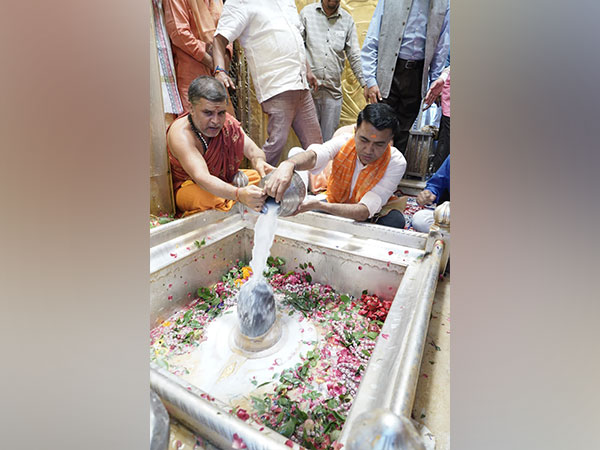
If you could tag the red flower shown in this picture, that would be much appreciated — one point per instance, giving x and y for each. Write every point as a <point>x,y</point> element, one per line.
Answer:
<point>289,443</point>
<point>242,414</point>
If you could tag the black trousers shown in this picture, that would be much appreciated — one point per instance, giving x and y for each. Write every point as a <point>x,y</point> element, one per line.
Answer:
<point>443,146</point>
<point>393,219</point>
<point>405,97</point>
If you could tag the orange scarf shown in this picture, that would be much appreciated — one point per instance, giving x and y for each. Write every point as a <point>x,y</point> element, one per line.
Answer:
<point>340,180</point>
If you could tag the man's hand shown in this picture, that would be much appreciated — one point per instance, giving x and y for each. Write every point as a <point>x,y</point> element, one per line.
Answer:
<point>310,203</point>
<point>433,93</point>
<point>224,78</point>
<point>425,197</point>
<point>312,80</point>
<point>372,94</point>
<point>252,196</point>
<point>263,167</point>
<point>280,180</point>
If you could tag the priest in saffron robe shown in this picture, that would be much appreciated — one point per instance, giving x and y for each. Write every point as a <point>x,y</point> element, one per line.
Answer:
<point>365,172</point>
<point>206,147</point>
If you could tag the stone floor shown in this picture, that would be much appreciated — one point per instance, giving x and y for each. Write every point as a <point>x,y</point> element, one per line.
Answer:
<point>432,399</point>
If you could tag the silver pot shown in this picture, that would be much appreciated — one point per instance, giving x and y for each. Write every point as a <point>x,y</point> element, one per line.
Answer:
<point>293,196</point>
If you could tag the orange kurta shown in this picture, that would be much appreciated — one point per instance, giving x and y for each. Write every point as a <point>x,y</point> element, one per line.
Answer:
<point>191,25</point>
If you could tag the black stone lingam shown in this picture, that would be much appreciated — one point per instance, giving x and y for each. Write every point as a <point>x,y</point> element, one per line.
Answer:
<point>256,308</point>
<point>258,328</point>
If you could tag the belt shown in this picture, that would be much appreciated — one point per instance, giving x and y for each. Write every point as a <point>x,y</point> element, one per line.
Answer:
<point>408,64</point>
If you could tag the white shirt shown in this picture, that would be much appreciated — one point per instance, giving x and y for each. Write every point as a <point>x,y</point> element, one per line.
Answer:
<point>269,31</point>
<point>377,197</point>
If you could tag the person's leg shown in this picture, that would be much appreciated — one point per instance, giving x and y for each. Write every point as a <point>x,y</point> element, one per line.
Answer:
<point>318,101</point>
<point>405,98</point>
<point>305,122</point>
<point>191,198</point>
<point>253,176</point>
<point>422,220</point>
<point>329,117</point>
<point>443,147</point>
<point>280,110</point>
<point>394,219</point>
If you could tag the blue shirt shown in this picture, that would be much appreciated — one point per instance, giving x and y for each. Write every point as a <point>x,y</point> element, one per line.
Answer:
<point>439,183</point>
<point>413,41</point>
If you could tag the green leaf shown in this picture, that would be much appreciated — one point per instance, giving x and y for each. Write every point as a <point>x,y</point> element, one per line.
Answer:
<point>288,428</point>
<point>332,403</point>
<point>308,278</point>
<point>205,293</point>
<point>334,434</point>
<point>263,384</point>
<point>259,405</point>
<point>338,416</point>
<point>195,324</point>
<point>300,415</point>
<point>328,427</point>
<point>358,335</point>
<point>187,316</point>
<point>372,335</point>
<point>365,352</point>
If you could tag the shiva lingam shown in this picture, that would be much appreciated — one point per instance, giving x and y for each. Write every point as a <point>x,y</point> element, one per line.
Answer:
<point>258,328</point>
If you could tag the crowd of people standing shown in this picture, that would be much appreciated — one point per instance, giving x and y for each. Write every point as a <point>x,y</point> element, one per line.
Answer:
<point>296,62</point>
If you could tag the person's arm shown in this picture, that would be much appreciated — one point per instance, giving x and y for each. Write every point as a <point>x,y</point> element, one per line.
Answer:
<point>441,50</point>
<point>368,56</point>
<point>282,176</point>
<point>232,23</point>
<point>439,182</point>
<point>193,163</point>
<point>256,156</point>
<point>355,211</point>
<point>435,90</point>
<point>219,45</point>
<point>177,23</point>
<point>310,77</point>
<point>352,51</point>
